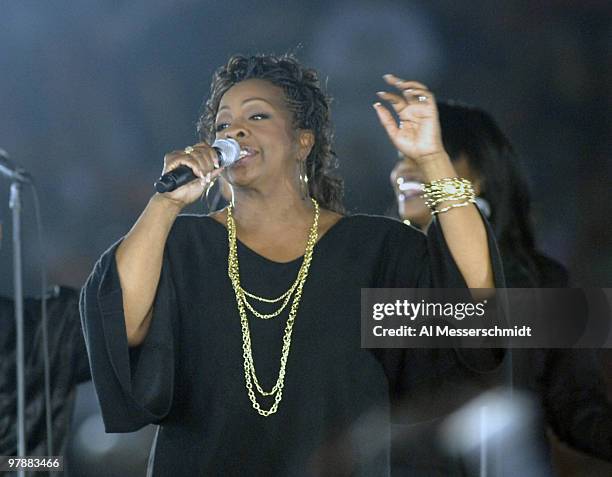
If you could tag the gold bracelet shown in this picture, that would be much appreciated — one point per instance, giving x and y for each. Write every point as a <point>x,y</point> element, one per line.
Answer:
<point>446,209</point>
<point>433,203</point>
<point>448,189</point>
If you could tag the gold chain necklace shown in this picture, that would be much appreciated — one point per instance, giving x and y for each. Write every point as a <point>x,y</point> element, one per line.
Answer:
<point>233,271</point>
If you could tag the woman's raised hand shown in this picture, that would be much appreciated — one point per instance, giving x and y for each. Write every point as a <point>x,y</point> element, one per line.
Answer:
<point>417,136</point>
<point>203,161</point>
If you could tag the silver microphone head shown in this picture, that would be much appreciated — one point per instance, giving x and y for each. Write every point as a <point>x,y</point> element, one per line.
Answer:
<point>229,151</point>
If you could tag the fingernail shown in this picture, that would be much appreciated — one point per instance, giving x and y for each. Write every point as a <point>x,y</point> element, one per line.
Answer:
<point>376,105</point>
<point>388,75</point>
<point>381,93</point>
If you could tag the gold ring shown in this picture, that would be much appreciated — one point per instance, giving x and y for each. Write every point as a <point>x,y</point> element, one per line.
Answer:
<point>188,150</point>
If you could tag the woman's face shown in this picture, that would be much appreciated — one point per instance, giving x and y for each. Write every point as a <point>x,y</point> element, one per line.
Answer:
<point>254,113</point>
<point>407,182</point>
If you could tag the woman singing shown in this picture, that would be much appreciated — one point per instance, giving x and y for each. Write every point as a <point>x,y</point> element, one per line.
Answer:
<point>238,333</point>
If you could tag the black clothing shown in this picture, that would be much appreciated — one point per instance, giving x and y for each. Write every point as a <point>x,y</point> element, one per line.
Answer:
<point>188,375</point>
<point>68,367</point>
<point>568,383</point>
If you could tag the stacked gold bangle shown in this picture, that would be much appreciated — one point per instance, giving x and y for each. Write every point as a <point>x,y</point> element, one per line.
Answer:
<point>449,189</point>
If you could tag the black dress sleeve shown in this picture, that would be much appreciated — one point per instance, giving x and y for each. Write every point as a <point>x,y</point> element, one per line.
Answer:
<point>439,269</point>
<point>425,378</point>
<point>444,273</point>
<point>134,385</point>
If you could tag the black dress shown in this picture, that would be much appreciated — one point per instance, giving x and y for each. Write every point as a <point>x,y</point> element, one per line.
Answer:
<point>188,374</point>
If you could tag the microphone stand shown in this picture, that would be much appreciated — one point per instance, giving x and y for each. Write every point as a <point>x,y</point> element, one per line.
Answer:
<point>15,205</point>
<point>17,177</point>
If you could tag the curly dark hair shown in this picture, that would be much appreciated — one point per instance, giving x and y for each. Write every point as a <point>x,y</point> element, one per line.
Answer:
<point>309,105</point>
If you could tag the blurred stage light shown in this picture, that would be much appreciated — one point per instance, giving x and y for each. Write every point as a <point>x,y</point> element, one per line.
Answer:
<point>495,434</point>
<point>92,439</point>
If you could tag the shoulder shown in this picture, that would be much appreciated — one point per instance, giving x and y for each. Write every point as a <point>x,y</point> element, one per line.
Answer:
<point>394,251</point>
<point>186,225</point>
<point>378,225</point>
<point>195,238</point>
<point>374,234</point>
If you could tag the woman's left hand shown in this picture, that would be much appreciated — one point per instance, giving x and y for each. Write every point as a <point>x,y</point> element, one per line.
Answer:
<point>417,136</point>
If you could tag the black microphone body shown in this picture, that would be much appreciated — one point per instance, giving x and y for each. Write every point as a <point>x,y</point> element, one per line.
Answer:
<point>228,152</point>
<point>174,179</point>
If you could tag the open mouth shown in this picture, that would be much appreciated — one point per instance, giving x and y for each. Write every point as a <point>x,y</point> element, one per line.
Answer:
<point>246,152</point>
<point>409,188</point>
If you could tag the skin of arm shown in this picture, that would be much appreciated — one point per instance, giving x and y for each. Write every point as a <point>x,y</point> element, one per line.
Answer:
<point>463,229</point>
<point>139,263</point>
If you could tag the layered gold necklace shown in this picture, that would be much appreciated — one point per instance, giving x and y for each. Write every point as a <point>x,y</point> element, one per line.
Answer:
<point>295,290</point>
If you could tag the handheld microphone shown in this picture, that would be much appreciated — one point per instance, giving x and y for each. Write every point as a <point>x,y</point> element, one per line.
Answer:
<point>11,170</point>
<point>228,151</point>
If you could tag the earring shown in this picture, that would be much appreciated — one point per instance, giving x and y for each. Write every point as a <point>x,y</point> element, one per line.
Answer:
<point>206,192</point>
<point>231,188</point>
<point>303,179</point>
<point>212,207</point>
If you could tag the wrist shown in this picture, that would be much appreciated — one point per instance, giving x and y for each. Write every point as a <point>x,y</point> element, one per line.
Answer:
<point>436,166</point>
<point>165,204</point>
